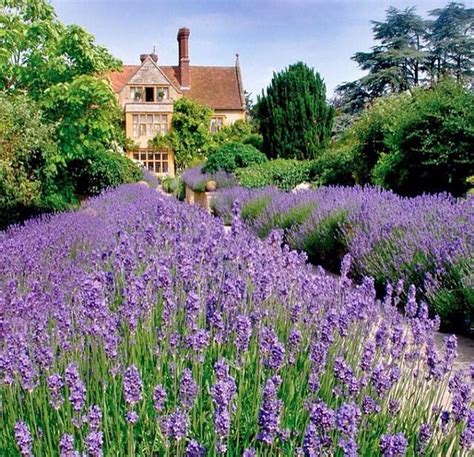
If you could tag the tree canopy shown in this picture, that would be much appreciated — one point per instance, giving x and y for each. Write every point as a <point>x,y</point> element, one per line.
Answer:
<point>412,51</point>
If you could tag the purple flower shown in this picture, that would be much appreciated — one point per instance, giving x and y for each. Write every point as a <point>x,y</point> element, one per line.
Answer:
<point>194,449</point>
<point>77,388</point>
<point>270,410</point>
<point>393,445</point>
<point>187,389</point>
<point>271,349</point>
<point>347,419</point>
<point>55,384</point>
<point>370,406</point>
<point>243,332</point>
<point>424,435</point>
<point>23,438</point>
<point>159,398</point>
<point>94,442</point>
<point>131,417</point>
<point>222,393</point>
<point>132,385</point>
<point>381,379</point>
<point>66,446</point>
<point>367,356</point>
<point>349,447</point>
<point>249,453</point>
<point>94,417</point>
<point>467,435</point>
<point>176,425</point>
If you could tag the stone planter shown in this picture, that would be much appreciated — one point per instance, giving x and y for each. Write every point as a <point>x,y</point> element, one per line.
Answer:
<point>198,198</point>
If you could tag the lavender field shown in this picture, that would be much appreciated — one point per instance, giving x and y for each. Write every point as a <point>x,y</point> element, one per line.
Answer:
<point>138,326</point>
<point>427,241</point>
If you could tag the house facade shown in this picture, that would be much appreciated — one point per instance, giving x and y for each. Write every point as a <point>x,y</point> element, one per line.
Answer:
<point>146,93</point>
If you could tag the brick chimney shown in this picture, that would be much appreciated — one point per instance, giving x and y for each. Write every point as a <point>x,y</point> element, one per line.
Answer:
<point>183,67</point>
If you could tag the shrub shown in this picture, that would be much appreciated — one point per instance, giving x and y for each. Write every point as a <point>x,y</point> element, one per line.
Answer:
<point>335,166</point>
<point>252,209</point>
<point>325,243</point>
<point>286,220</point>
<point>101,170</point>
<point>294,116</point>
<point>254,139</point>
<point>189,138</point>
<point>285,174</point>
<point>451,294</point>
<point>233,155</point>
<point>29,162</point>
<point>431,146</point>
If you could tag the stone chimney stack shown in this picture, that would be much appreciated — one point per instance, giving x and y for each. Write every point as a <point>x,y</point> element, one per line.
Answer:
<point>183,67</point>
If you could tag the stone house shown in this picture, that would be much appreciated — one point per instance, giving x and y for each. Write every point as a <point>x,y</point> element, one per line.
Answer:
<point>146,93</point>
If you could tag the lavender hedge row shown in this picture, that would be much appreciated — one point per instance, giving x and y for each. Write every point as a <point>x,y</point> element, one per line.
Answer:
<point>427,241</point>
<point>138,326</point>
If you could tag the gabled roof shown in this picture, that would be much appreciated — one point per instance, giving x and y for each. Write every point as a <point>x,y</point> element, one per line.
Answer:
<point>217,87</point>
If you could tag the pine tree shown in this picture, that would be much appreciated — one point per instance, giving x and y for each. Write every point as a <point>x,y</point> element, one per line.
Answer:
<point>294,116</point>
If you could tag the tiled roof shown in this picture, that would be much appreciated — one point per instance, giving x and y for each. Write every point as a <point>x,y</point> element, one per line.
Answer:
<point>216,87</point>
<point>119,79</point>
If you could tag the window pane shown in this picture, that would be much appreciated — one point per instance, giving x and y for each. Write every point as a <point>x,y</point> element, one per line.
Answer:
<point>149,129</point>
<point>165,167</point>
<point>150,166</point>
<point>142,129</point>
<point>136,93</point>
<point>135,118</point>
<point>135,131</point>
<point>136,156</point>
<point>149,118</point>
<point>142,118</point>
<point>157,167</point>
<point>164,157</point>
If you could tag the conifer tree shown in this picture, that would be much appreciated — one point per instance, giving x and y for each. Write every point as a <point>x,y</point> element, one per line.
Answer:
<point>294,116</point>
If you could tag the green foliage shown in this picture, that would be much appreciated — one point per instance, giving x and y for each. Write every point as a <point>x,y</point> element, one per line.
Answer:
<point>189,137</point>
<point>410,52</point>
<point>282,173</point>
<point>101,170</point>
<point>252,209</point>
<point>74,114</point>
<point>235,132</point>
<point>255,140</point>
<point>325,244</point>
<point>29,161</point>
<point>294,116</point>
<point>431,148</point>
<point>38,51</point>
<point>454,300</point>
<point>371,132</point>
<point>233,155</point>
<point>295,216</point>
<point>88,114</point>
<point>335,165</point>
<point>169,184</point>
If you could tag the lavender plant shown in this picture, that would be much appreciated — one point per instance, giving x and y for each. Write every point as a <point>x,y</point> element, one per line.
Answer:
<point>138,326</point>
<point>427,241</point>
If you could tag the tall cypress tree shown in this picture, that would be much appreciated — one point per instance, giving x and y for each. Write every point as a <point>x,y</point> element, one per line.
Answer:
<point>294,116</point>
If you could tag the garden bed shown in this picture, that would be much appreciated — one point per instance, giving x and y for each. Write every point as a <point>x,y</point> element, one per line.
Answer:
<point>141,326</point>
<point>427,241</point>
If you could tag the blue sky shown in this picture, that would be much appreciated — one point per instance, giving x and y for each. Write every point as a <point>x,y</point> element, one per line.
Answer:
<point>268,34</point>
